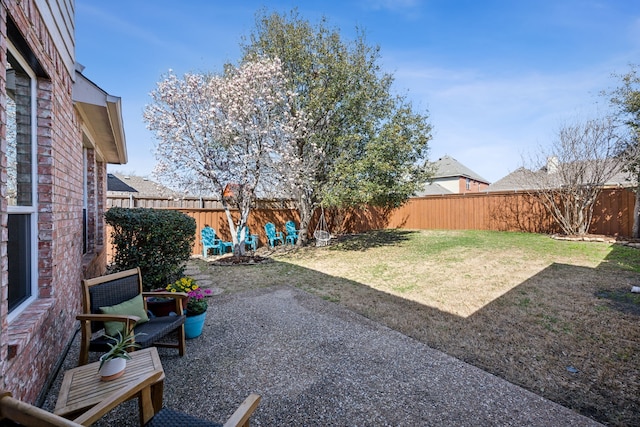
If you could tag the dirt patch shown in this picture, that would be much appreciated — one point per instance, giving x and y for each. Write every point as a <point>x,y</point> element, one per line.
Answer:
<point>241,260</point>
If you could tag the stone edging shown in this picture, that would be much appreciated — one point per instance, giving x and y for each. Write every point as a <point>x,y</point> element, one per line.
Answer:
<point>634,243</point>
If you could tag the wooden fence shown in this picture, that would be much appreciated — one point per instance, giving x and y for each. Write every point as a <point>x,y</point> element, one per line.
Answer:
<point>509,211</point>
<point>131,201</point>
<point>505,211</point>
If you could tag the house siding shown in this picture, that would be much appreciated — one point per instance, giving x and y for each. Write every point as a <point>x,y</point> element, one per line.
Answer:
<point>450,183</point>
<point>32,343</point>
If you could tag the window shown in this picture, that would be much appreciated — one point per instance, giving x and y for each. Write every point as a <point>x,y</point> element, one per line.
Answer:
<point>21,194</point>
<point>19,249</point>
<point>468,184</point>
<point>85,219</point>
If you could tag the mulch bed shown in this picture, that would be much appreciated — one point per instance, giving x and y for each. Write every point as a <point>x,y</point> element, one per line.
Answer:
<point>241,260</point>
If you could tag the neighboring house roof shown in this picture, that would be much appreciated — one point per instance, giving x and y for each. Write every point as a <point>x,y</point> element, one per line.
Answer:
<point>119,184</point>
<point>511,182</point>
<point>521,178</point>
<point>621,179</point>
<point>447,167</point>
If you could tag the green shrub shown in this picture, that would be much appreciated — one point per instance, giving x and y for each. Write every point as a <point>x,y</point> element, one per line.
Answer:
<point>157,241</point>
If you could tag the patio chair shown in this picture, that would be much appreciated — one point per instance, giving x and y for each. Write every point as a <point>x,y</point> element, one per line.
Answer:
<point>272,235</point>
<point>23,413</point>
<point>120,296</point>
<point>209,241</point>
<point>240,418</point>
<point>292,232</point>
<point>250,240</point>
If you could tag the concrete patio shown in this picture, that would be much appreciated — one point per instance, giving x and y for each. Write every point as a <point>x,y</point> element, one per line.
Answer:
<point>316,363</point>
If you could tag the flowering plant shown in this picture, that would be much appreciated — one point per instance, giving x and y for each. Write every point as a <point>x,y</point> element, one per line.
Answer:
<point>196,303</point>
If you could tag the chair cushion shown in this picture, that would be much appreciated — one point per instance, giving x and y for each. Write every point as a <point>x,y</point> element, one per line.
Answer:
<point>146,333</point>
<point>156,328</point>
<point>169,417</point>
<point>132,307</point>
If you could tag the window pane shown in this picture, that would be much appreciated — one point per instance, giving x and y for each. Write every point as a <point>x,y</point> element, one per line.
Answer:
<point>19,153</point>
<point>84,231</point>
<point>19,258</point>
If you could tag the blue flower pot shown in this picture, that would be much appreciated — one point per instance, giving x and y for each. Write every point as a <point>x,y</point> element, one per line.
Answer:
<point>193,325</point>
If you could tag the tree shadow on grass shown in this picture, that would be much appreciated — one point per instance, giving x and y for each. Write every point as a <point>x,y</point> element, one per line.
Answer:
<point>621,300</point>
<point>372,239</point>
<point>620,297</point>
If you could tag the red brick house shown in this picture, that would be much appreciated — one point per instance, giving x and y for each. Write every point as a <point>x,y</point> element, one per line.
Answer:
<point>452,177</point>
<point>57,134</point>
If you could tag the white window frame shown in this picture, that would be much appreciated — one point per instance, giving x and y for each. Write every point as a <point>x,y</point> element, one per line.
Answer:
<point>33,209</point>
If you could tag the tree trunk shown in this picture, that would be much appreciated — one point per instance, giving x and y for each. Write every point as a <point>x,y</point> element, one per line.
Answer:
<point>305,210</point>
<point>636,214</point>
<point>241,248</point>
<point>232,229</point>
<point>239,245</point>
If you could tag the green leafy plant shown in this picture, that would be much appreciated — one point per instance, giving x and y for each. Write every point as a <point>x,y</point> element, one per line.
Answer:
<point>157,241</point>
<point>118,348</point>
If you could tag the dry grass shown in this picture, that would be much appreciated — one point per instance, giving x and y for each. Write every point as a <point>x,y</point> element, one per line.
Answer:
<point>524,307</point>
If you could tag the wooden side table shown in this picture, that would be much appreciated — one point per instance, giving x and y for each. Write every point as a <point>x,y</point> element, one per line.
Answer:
<point>82,388</point>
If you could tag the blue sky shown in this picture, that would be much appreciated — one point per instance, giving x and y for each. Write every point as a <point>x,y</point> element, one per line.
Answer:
<point>497,78</point>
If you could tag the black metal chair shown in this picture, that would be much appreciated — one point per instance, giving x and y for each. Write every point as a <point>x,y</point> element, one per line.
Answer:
<point>113,289</point>
<point>240,418</point>
<point>16,412</point>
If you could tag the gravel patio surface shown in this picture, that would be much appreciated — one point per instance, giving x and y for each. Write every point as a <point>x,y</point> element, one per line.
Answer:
<point>316,363</point>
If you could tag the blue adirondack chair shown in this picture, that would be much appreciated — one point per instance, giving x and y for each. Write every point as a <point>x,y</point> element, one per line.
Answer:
<point>272,235</point>
<point>209,241</point>
<point>250,240</point>
<point>292,232</point>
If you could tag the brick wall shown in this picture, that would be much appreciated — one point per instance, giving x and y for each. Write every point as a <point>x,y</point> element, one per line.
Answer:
<point>474,186</point>
<point>4,235</point>
<point>32,343</point>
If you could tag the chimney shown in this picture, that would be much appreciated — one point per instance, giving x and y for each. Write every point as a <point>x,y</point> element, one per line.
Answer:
<point>552,164</point>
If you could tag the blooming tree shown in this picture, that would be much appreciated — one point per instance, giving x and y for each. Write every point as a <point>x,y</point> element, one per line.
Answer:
<point>213,131</point>
<point>360,145</point>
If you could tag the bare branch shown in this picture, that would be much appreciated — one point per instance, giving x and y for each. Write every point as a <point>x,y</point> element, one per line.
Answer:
<point>568,176</point>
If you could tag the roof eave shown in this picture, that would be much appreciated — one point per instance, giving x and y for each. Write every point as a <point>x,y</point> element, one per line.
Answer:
<point>102,117</point>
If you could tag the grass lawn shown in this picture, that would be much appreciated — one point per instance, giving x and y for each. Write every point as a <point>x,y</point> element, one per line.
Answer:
<point>555,317</point>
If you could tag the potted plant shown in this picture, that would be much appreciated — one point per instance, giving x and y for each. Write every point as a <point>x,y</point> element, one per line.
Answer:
<point>196,307</point>
<point>161,306</point>
<point>113,362</point>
